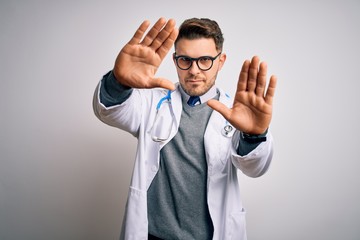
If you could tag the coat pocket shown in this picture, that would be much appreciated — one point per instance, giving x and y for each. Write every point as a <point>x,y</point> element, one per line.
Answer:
<point>237,225</point>
<point>135,225</point>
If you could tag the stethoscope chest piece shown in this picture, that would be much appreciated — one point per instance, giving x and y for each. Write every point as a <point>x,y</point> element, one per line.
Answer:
<point>228,130</point>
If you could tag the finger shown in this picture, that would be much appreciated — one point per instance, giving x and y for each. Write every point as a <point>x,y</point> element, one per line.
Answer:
<point>139,33</point>
<point>162,83</point>
<point>253,74</point>
<point>153,32</point>
<point>163,35</point>
<point>271,90</point>
<point>220,107</point>
<point>242,83</point>
<point>168,44</point>
<point>261,80</point>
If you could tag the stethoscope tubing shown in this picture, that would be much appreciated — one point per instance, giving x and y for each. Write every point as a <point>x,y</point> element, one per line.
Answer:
<point>225,131</point>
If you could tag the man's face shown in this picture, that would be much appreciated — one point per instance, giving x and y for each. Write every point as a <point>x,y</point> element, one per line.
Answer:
<point>195,81</point>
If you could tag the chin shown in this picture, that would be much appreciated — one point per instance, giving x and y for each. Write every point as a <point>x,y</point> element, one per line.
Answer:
<point>194,91</point>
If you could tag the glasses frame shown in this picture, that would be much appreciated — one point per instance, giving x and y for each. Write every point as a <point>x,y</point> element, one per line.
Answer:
<point>176,58</point>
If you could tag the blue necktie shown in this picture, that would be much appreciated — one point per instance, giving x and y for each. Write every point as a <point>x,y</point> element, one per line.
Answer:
<point>193,100</point>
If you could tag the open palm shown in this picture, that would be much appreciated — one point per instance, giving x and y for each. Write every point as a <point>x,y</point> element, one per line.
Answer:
<point>140,58</point>
<point>252,109</point>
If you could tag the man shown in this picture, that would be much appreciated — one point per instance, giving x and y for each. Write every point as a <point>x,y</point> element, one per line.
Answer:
<point>184,183</point>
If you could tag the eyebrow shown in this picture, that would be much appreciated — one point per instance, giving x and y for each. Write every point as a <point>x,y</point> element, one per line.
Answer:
<point>184,55</point>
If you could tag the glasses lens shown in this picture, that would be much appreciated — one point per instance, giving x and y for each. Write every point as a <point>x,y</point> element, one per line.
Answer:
<point>205,63</point>
<point>184,62</point>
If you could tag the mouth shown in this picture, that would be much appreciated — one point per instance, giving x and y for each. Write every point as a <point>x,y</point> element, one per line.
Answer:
<point>194,80</point>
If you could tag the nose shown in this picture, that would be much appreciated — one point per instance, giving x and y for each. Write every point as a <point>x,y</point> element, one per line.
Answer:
<point>194,69</point>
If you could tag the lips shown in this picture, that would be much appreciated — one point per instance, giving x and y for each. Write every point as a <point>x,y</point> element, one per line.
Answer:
<point>194,80</point>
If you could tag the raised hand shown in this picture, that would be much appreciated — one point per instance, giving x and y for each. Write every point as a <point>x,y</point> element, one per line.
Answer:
<point>252,109</point>
<point>138,61</point>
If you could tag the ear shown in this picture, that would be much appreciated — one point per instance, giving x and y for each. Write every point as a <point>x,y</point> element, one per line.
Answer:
<point>222,59</point>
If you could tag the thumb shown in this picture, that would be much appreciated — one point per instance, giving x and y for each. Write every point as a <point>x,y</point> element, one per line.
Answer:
<point>220,107</point>
<point>163,83</point>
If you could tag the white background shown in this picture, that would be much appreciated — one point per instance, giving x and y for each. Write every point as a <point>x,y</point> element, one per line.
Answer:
<point>64,174</point>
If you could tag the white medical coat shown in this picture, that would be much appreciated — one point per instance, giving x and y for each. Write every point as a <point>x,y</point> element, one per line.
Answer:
<point>136,116</point>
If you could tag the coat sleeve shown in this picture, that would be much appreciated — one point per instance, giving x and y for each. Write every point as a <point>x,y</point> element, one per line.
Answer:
<point>256,162</point>
<point>112,92</point>
<point>126,116</point>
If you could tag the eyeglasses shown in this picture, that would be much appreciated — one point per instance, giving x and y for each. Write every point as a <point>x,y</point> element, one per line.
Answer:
<point>204,63</point>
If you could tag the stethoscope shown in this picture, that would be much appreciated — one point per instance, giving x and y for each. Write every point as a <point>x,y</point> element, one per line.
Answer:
<point>167,97</point>
<point>157,131</point>
<point>161,129</point>
<point>228,130</point>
